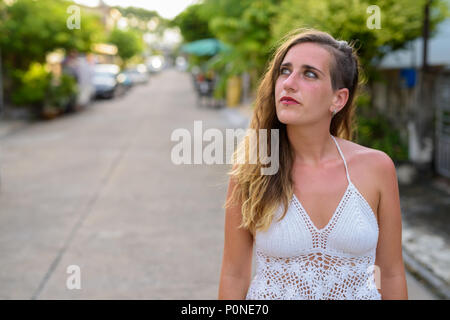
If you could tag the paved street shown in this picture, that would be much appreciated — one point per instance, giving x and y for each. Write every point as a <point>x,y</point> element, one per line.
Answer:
<point>98,189</point>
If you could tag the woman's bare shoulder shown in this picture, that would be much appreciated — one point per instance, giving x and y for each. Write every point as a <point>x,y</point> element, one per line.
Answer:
<point>354,149</point>
<point>363,156</point>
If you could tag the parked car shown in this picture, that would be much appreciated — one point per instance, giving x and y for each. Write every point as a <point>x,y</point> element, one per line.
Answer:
<point>125,80</point>
<point>106,82</point>
<point>138,74</point>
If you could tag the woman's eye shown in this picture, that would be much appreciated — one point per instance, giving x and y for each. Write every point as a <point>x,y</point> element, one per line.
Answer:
<point>308,73</point>
<point>282,69</point>
<point>311,73</point>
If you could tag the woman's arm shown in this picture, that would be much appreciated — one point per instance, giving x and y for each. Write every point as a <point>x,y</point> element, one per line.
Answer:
<point>236,270</point>
<point>389,250</point>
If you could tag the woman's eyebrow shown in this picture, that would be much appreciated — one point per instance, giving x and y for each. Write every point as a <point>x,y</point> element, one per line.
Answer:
<point>306,66</point>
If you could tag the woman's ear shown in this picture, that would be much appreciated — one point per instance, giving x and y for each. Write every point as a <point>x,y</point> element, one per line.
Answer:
<point>340,98</point>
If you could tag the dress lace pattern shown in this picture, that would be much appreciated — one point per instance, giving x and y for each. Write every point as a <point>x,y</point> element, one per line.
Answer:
<point>296,260</point>
<point>317,276</point>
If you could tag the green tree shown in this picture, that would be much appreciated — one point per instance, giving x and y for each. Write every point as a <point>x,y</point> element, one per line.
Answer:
<point>401,22</point>
<point>38,88</point>
<point>129,43</point>
<point>34,85</point>
<point>245,26</point>
<point>30,29</point>
<point>193,26</point>
<point>139,19</point>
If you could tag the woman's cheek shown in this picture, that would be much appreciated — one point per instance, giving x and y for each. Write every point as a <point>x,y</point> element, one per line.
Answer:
<point>316,93</point>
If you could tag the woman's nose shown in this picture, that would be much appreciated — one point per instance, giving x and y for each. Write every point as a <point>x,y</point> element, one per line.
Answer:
<point>290,83</point>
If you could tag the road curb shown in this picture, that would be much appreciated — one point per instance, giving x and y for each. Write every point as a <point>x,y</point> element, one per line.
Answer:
<point>437,285</point>
<point>8,127</point>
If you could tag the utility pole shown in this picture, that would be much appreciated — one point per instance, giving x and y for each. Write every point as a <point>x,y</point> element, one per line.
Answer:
<point>424,119</point>
<point>1,85</point>
<point>2,106</point>
<point>426,35</point>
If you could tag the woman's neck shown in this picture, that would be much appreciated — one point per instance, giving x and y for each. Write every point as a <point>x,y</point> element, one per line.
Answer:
<point>311,147</point>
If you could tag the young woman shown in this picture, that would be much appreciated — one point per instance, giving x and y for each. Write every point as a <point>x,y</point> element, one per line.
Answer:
<point>327,224</point>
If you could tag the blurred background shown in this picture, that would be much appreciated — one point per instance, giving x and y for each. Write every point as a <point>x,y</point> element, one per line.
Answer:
<point>91,92</point>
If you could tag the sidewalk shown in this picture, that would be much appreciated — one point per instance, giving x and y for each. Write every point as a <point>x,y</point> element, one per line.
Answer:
<point>12,120</point>
<point>425,205</point>
<point>239,116</point>
<point>426,232</point>
<point>9,126</point>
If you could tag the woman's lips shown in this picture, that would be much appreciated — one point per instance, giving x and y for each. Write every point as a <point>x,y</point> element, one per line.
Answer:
<point>288,100</point>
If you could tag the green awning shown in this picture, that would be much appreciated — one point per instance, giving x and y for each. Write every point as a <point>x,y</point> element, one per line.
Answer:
<point>205,47</point>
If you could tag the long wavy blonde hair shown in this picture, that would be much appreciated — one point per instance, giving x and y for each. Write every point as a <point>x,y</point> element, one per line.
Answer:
<point>260,195</point>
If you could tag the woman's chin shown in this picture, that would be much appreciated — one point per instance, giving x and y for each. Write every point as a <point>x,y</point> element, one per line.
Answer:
<point>287,117</point>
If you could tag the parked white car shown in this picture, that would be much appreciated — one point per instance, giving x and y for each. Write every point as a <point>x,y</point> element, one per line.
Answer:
<point>138,74</point>
<point>105,80</point>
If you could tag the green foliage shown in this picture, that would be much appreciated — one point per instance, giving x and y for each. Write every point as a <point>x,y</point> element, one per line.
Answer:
<point>401,22</point>
<point>376,132</point>
<point>138,13</point>
<point>37,89</point>
<point>244,25</point>
<point>192,25</point>
<point>34,84</point>
<point>225,65</point>
<point>139,19</point>
<point>59,94</point>
<point>129,43</point>
<point>31,29</point>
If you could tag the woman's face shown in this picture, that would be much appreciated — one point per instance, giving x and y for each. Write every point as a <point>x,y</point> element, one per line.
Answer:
<point>305,76</point>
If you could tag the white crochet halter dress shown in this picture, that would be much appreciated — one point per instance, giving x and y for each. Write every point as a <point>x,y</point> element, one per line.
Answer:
<point>296,260</point>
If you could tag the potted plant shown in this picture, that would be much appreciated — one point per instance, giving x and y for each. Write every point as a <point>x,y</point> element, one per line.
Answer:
<point>61,92</point>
